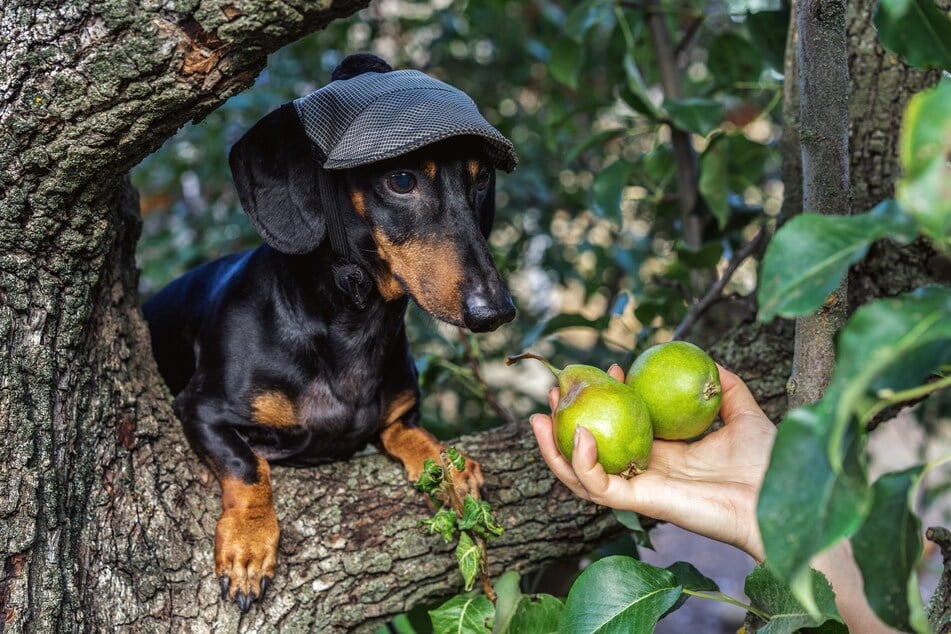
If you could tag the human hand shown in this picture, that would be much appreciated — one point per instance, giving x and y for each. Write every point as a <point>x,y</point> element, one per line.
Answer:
<point>709,487</point>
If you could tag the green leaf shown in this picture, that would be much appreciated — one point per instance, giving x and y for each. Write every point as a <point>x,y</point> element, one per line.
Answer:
<point>431,477</point>
<point>464,614</point>
<point>618,595</point>
<point>888,549</point>
<point>698,115</point>
<point>609,184</point>
<point>507,596</point>
<point>713,184</point>
<point>807,258</point>
<point>805,505</point>
<point>705,256</point>
<point>732,59</point>
<point>917,30</point>
<point>587,15</point>
<point>477,516</point>
<point>690,578</point>
<point>924,190</point>
<point>517,613</point>
<point>537,614</point>
<point>636,89</point>
<point>567,59</point>
<point>442,523</point>
<point>456,459</point>
<point>890,345</point>
<point>469,558</point>
<point>772,596</point>
<point>768,31</point>
<point>632,521</point>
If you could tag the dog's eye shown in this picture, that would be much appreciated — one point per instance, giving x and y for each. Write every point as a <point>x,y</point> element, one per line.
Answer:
<point>401,182</point>
<point>483,180</point>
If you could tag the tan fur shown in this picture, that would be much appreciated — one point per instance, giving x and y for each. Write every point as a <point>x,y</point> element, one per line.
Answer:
<point>273,409</point>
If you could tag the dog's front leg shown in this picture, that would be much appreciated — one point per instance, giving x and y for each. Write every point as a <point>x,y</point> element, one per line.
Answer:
<point>412,445</point>
<point>247,533</point>
<point>246,537</point>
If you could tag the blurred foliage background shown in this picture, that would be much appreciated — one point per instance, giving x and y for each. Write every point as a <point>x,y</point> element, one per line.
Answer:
<point>590,230</point>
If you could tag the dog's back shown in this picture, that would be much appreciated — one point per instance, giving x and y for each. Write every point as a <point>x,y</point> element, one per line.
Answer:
<point>176,313</point>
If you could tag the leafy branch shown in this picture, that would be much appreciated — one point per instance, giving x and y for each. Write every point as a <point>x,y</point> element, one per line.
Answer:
<point>471,518</point>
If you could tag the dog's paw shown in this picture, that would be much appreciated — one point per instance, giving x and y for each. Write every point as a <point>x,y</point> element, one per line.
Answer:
<point>470,481</point>
<point>246,553</point>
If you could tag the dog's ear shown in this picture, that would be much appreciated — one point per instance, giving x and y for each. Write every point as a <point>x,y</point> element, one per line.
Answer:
<point>276,175</point>
<point>487,218</point>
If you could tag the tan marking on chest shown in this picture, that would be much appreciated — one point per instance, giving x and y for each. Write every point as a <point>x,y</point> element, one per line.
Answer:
<point>273,409</point>
<point>398,407</point>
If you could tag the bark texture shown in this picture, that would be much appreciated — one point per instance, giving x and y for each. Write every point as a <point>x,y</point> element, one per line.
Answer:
<point>823,80</point>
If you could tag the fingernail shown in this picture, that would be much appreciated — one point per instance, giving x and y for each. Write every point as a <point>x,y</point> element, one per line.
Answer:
<point>531,420</point>
<point>577,437</point>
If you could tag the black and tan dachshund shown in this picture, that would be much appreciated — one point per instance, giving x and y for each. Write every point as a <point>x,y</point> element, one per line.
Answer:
<point>273,362</point>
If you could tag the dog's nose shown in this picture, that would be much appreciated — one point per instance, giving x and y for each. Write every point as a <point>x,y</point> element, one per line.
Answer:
<point>482,316</point>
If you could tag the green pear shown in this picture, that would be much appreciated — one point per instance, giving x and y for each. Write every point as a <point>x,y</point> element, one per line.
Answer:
<point>611,410</point>
<point>680,384</point>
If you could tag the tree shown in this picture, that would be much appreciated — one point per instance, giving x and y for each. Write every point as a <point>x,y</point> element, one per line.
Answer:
<point>108,517</point>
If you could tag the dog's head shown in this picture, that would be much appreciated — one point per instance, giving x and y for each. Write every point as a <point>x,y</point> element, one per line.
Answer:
<point>411,159</point>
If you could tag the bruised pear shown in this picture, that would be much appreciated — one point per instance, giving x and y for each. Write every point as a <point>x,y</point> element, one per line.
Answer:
<point>611,410</point>
<point>680,385</point>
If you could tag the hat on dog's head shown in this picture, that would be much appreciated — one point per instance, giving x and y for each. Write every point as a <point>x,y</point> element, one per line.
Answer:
<point>370,113</point>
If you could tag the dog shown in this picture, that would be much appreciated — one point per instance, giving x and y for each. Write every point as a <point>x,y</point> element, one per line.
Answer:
<point>374,190</point>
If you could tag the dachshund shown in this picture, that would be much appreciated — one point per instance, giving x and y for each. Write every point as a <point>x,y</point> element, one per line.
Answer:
<point>273,355</point>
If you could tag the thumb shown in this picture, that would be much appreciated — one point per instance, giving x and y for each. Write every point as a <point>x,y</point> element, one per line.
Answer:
<point>738,401</point>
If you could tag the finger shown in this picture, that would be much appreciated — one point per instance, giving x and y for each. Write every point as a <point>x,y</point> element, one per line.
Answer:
<point>553,398</point>
<point>584,461</point>
<point>544,435</point>
<point>738,401</point>
<point>616,372</point>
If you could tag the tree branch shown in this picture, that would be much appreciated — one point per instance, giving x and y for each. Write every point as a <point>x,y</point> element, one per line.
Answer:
<point>823,77</point>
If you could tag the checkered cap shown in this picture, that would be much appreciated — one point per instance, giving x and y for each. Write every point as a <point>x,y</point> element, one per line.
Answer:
<point>376,116</point>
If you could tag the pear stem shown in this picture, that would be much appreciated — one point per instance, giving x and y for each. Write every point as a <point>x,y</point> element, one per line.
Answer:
<point>515,358</point>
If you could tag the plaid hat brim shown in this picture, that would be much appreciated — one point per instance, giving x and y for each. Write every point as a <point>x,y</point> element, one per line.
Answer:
<point>377,116</point>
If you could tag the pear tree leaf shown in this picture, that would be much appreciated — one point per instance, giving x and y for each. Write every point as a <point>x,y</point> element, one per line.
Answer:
<point>809,255</point>
<point>917,30</point>
<point>442,523</point>
<point>632,521</point>
<point>431,477</point>
<point>636,89</point>
<point>618,594</point>
<point>567,59</point>
<point>889,345</point>
<point>714,185</point>
<point>469,558</point>
<point>465,614</point>
<point>507,596</point>
<point>690,578</point>
<point>767,29</point>
<point>787,615</point>
<point>586,16</point>
<point>456,459</point>
<point>924,190</point>
<point>888,549</point>
<point>694,114</point>
<point>806,505</point>
<point>608,187</point>
<point>732,59</point>
<point>517,613</point>
<point>537,614</point>
<point>477,517</point>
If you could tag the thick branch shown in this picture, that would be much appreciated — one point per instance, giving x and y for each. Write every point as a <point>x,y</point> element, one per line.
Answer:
<point>824,135</point>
